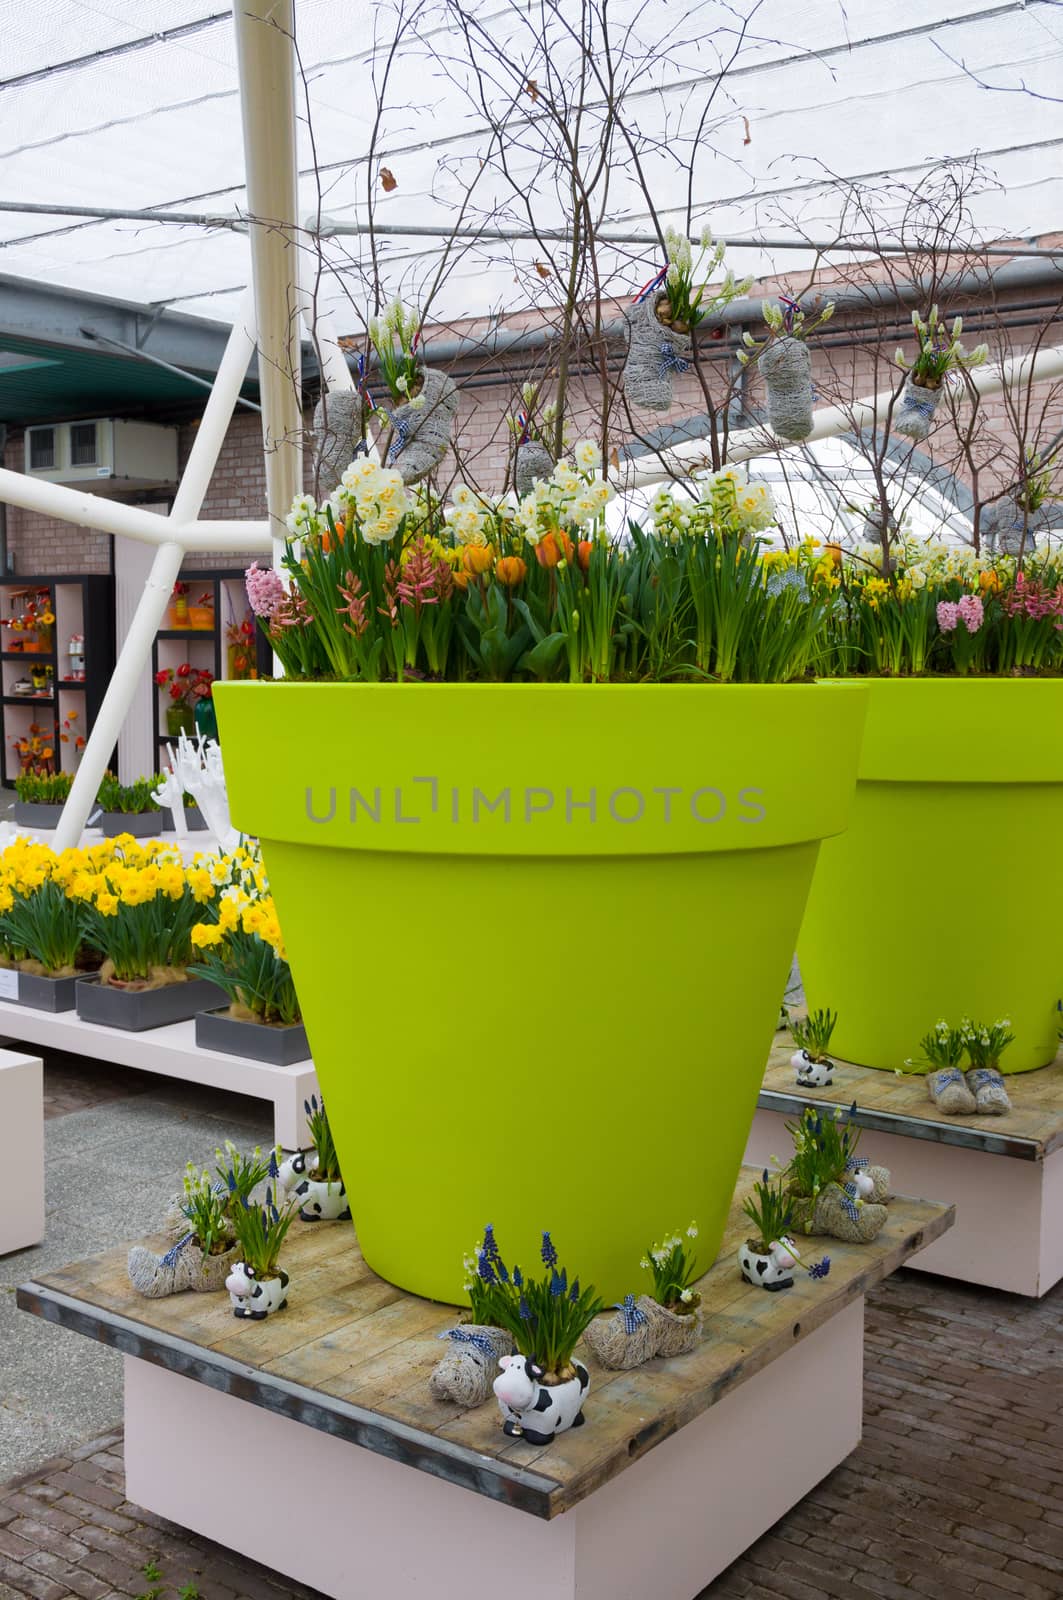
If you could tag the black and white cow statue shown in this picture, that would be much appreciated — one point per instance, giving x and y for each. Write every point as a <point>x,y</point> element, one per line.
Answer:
<point>319,1202</point>
<point>773,1270</point>
<point>533,1410</point>
<point>253,1297</point>
<point>812,1074</point>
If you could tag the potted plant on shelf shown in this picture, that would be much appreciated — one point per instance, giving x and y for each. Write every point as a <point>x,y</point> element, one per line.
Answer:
<point>201,611</point>
<point>582,719</point>
<point>186,686</point>
<point>40,797</point>
<point>205,1252</point>
<point>541,1389</point>
<point>467,1372</point>
<point>257,1284</point>
<point>769,1256</point>
<point>313,1176</point>
<point>127,808</point>
<point>240,949</point>
<point>832,1189</point>
<point>666,1322</point>
<point>986,1043</point>
<point>811,1061</point>
<point>41,917</point>
<point>140,907</point>
<point>948,639</point>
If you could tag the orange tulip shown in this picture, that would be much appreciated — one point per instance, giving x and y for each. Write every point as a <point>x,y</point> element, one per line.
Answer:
<point>548,551</point>
<point>834,552</point>
<point>477,558</point>
<point>988,582</point>
<point>583,554</point>
<point>326,537</point>
<point>511,570</point>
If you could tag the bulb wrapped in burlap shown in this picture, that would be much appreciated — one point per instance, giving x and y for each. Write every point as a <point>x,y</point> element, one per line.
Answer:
<point>915,410</point>
<point>786,368</point>
<point>470,1366</point>
<point>1008,530</point>
<point>421,433</point>
<point>948,1089</point>
<point>184,1266</point>
<point>675,1333</point>
<point>534,463</point>
<point>880,1177</point>
<point>624,1340</point>
<point>655,355</point>
<point>832,1213</point>
<point>339,435</point>
<point>990,1095</point>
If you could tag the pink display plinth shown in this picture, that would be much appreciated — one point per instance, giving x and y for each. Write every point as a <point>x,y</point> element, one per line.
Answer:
<point>1007,1233</point>
<point>359,1526</point>
<point>22,1123</point>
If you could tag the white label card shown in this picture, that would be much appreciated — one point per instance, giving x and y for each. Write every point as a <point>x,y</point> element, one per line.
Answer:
<point>8,983</point>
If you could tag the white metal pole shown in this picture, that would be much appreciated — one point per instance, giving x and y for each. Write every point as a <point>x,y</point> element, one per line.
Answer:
<point>694,455</point>
<point>266,63</point>
<point>136,648</point>
<point>217,415</point>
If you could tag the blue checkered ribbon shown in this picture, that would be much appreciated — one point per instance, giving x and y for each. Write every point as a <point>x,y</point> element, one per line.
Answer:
<point>463,1336</point>
<point>980,1077</point>
<point>170,1258</point>
<point>670,360</point>
<point>923,408</point>
<point>633,1317</point>
<point>849,1200</point>
<point>402,431</point>
<point>854,1163</point>
<point>949,1075</point>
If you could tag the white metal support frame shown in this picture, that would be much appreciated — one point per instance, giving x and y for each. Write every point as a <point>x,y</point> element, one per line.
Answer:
<point>266,61</point>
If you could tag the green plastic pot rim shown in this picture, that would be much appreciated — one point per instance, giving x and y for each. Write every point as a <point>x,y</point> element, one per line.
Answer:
<point>564,771</point>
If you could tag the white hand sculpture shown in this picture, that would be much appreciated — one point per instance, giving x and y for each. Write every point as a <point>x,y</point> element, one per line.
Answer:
<point>199,768</point>
<point>170,794</point>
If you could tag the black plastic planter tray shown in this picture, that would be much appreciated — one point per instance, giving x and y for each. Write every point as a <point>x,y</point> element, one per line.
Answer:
<point>34,814</point>
<point>195,822</point>
<point>138,1009</point>
<point>141,824</point>
<point>47,994</point>
<point>280,1047</point>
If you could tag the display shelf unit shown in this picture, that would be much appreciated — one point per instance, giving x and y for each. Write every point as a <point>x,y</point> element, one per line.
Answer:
<point>205,648</point>
<point>1004,1174</point>
<point>81,604</point>
<point>336,1388</point>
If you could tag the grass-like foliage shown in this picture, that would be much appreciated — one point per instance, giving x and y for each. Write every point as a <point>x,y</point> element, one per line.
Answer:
<point>546,1316</point>
<point>823,1149</point>
<point>813,1033</point>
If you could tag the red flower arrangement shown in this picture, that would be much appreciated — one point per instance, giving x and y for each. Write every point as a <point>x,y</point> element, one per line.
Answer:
<point>186,683</point>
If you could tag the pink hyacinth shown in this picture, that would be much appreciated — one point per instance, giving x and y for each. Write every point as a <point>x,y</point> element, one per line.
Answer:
<point>948,615</point>
<point>972,612</point>
<point>265,591</point>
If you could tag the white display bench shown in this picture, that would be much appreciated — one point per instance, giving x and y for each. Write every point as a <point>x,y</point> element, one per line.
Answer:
<point>324,1410</point>
<point>172,1053</point>
<point>22,1124</point>
<point>1004,1174</point>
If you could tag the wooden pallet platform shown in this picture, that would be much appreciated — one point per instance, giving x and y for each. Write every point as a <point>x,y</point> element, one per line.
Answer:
<point>1004,1174</point>
<point>351,1355</point>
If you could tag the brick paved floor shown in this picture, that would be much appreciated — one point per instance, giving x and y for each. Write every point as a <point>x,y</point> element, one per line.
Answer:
<point>956,1490</point>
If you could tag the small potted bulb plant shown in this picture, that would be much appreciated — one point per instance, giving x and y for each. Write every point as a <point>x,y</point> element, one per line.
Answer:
<point>666,1322</point>
<point>939,352</point>
<point>127,808</point>
<point>247,963</point>
<point>257,1284</point>
<point>40,797</point>
<point>986,1043</point>
<point>47,925</point>
<point>205,1250</point>
<point>833,1190</point>
<point>420,426</point>
<point>769,1257</point>
<point>944,1048</point>
<point>811,1061</point>
<point>542,1388</point>
<point>785,364</point>
<point>313,1177</point>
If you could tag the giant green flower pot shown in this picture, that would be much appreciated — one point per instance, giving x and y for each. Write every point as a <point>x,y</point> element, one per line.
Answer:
<point>943,898</point>
<point>540,934</point>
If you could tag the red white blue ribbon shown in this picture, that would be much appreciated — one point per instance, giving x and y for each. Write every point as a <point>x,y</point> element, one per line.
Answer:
<point>651,287</point>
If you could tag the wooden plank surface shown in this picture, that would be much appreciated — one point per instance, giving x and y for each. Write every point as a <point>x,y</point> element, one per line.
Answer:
<point>899,1103</point>
<point>352,1354</point>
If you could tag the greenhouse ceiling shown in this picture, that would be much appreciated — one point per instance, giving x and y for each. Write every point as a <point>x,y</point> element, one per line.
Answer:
<point>762,120</point>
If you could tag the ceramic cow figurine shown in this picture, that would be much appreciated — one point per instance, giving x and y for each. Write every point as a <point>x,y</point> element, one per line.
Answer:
<point>532,1410</point>
<point>252,1298</point>
<point>773,1270</point>
<point>812,1074</point>
<point>318,1201</point>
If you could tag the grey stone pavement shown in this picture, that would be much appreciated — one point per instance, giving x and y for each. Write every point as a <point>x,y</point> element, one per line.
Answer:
<point>110,1170</point>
